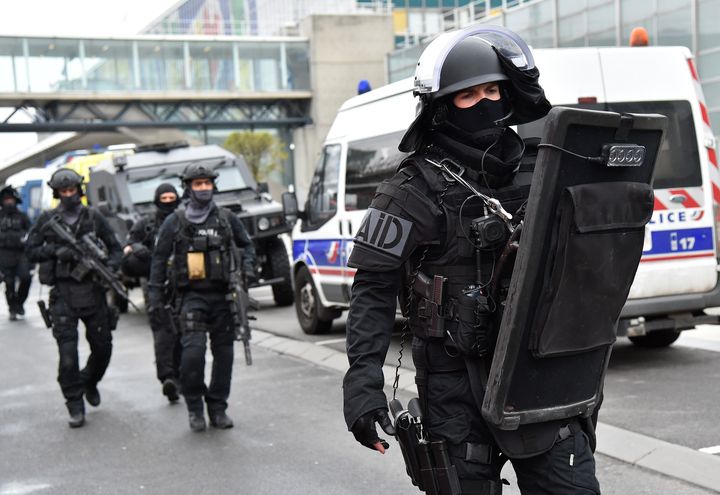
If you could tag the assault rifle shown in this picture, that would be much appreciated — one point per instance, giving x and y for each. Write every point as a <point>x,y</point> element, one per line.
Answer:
<point>91,258</point>
<point>241,303</point>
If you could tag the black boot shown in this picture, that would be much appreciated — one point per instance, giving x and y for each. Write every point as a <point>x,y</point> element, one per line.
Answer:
<point>221,420</point>
<point>92,395</point>
<point>76,410</point>
<point>170,389</point>
<point>197,421</point>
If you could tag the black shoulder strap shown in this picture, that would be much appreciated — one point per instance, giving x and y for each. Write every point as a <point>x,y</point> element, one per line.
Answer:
<point>431,174</point>
<point>91,215</point>
<point>224,216</point>
<point>182,219</point>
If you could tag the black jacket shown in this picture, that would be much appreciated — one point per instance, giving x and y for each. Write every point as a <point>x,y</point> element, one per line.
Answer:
<point>14,225</point>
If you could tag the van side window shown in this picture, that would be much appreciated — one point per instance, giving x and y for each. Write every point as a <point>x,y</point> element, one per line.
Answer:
<point>322,197</point>
<point>369,162</point>
<point>678,162</point>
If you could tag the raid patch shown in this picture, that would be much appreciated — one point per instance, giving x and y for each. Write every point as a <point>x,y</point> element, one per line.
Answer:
<point>383,231</point>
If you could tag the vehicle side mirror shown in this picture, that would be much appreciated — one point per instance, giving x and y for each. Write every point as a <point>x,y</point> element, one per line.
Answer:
<point>263,187</point>
<point>290,207</point>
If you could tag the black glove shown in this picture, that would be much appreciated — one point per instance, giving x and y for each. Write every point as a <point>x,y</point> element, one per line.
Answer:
<point>65,253</point>
<point>48,250</point>
<point>154,300</point>
<point>141,251</point>
<point>364,428</point>
<point>157,316</point>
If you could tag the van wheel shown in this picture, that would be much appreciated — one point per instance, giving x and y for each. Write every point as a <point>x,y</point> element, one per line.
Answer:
<point>307,305</point>
<point>280,267</point>
<point>658,338</point>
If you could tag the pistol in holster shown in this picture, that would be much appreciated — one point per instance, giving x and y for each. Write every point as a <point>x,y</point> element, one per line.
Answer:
<point>45,313</point>
<point>427,463</point>
<point>430,302</point>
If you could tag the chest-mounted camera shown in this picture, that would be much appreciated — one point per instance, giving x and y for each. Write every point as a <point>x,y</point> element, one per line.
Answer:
<point>488,231</point>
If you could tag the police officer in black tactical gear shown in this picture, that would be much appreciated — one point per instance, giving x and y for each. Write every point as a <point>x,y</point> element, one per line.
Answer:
<point>194,253</point>
<point>75,296</point>
<point>14,265</point>
<point>435,235</point>
<point>136,263</point>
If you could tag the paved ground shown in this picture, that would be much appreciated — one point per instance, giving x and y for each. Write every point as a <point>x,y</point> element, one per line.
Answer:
<point>289,439</point>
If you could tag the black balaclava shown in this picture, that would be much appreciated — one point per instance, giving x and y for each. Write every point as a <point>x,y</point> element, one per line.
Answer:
<point>70,208</point>
<point>9,206</point>
<point>164,209</point>
<point>476,126</point>
<point>472,136</point>
<point>468,124</point>
<point>199,206</point>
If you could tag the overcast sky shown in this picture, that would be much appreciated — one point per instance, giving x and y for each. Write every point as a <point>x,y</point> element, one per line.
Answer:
<point>79,17</point>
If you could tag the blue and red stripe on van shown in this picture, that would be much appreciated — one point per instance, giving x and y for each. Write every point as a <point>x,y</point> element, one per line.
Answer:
<point>674,244</point>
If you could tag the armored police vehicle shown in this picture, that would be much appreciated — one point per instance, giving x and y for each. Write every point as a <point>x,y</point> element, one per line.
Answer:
<point>678,274</point>
<point>125,186</point>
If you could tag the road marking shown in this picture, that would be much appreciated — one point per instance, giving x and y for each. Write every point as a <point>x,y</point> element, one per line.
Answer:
<point>330,341</point>
<point>711,450</point>
<point>20,488</point>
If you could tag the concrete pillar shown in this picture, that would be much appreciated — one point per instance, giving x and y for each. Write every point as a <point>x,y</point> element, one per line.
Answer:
<point>343,50</point>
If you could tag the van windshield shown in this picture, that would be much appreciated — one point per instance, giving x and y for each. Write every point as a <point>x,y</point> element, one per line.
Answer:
<point>142,185</point>
<point>678,163</point>
<point>369,162</point>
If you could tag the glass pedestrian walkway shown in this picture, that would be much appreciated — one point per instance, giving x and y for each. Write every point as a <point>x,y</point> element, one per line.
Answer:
<point>151,63</point>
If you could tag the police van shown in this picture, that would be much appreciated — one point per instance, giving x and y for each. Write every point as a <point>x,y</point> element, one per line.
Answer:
<point>678,274</point>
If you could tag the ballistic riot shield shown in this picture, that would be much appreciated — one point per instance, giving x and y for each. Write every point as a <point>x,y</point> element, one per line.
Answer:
<point>580,246</point>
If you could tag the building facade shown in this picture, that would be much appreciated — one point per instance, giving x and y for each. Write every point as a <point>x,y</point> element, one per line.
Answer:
<point>572,23</point>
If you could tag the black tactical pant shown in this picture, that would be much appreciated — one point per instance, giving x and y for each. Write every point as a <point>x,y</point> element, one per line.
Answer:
<point>452,414</point>
<point>17,283</point>
<point>70,302</point>
<point>206,313</point>
<point>167,345</point>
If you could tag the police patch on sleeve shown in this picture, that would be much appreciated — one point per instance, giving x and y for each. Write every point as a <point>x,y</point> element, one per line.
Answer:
<point>385,232</point>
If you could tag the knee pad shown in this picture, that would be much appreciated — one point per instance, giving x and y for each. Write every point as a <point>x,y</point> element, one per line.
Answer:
<point>193,340</point>
<point>64,329</point>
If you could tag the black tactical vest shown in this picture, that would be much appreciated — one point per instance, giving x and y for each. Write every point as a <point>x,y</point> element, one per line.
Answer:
<point>213,240</point>
<point>455,258</point>
<point>12,230</point>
